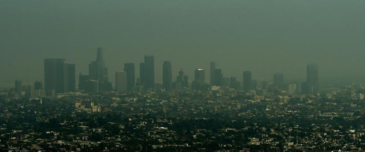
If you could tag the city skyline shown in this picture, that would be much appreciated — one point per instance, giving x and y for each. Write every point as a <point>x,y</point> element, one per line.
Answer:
<point>262,36</point>
<point>96,74</point>
<point>60,77</point>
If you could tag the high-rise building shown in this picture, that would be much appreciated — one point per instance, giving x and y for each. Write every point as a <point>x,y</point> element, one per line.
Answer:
<point>103,70</point>
<point>218,77</point>
<point>199,82</point>
<point>99,72</point>
<point>83,80</point>
<point>278,80</point>
<point>121,85</point>
<point>38,85</point>
<point>55,76</point>
<point>167,76</point>
<point>148,72</point>
<point>71,74</point>
<point>131,78</point>
<point>181,81</point>
<point>29,92</point>
<point>200,76</point>
<point>18,87</point>
<point>247,80</point>
<point>212,73</point>
<point>312,78</point>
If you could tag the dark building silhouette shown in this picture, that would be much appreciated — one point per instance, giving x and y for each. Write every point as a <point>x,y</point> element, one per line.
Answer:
<point>234,83</point>
<point>18,87</point>
<point>312,79</point>
<point>181,81</point>
<point>218,77</point>
<point>99,72</point>
<point>71,74</point>
<point>131,78</point>
<point>247,80</point>
<point>199,82</point>
<point>212,73</point>
<point>278,80</point>
<point>148,72</point>
<point>167,76</point>
<point>200,76</point>
<point>83,80</point>
<point>55,76</point>
<point>38,85</point>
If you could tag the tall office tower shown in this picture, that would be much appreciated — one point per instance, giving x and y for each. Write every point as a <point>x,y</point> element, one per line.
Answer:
<point>38,85</point>
<point>167,76</point>
<point>103,70</point>
<point>247,80</point>
<point>71,74</point>
<point>199,82</point>
<point>149,70</point>
<point>94,70</point>
<point>212,73</point>
<point>83,81</point>
<point>18,87</point>
<point>181,81</point>
<point>278,80</point>
<point>92,86</point>
<point>200,76</point>
<point>121,85</point>
<point>131,78</point>
<point>218,77</point>
<point>99,72</point>
<point>312,78</point>
<point>55,76</point>
<point>29,92</point>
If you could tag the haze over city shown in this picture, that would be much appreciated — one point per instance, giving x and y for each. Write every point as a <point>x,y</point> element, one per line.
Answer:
<point>264,36</point>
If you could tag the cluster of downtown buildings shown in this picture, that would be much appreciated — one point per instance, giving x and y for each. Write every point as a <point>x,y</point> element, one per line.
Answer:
<point>60,78</point>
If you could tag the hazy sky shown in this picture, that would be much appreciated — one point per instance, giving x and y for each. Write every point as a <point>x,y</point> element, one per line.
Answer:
<point>264,36</point>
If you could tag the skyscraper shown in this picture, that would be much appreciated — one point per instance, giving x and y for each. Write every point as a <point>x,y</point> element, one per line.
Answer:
<point>18,87</point>
<point>148,72</point>
<point>167,75</point>
<point>199,82</point>
<point>121,85</point>
<point>212,73</point>
<point>181,81</point>
<point>312,78</point>
<point>55,76</point>
<point>218,77</point>
<point>71,74</point>
<point>247,80</point>
<point>83,82</point>
<point>278,80</point>
<point>38,85</point>
<point>234,83</point>
<point>131,78</point>
<point>200,76</point>
<point>99,72</point>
